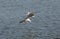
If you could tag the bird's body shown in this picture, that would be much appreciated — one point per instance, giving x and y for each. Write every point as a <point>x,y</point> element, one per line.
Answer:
<point>28,18</point>
<point>25,20</point>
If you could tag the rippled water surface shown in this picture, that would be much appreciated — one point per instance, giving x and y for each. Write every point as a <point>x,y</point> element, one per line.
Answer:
<point>45,24</point>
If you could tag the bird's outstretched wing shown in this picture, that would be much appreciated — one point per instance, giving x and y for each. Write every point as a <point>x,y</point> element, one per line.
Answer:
<point>22,21</point>
<point>30,14</point>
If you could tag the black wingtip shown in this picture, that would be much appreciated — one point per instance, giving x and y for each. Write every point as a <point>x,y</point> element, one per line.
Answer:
<point>22,21</point>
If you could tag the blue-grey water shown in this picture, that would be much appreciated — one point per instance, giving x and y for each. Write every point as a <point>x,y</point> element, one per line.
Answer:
<point>45,24</point>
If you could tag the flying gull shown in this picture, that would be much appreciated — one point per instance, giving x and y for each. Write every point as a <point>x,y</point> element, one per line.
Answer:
<point>28,17</point>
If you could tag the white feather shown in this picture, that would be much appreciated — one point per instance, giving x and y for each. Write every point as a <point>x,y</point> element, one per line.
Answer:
<point>28,13</point>
<point>28,20</point>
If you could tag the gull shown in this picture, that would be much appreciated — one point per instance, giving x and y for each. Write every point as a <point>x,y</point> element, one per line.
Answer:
<point>29,15</point>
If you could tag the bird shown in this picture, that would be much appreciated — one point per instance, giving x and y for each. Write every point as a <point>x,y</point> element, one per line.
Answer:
<point>29,15</point>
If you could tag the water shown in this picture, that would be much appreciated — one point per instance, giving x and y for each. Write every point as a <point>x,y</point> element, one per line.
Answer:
<point>45,25</point>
